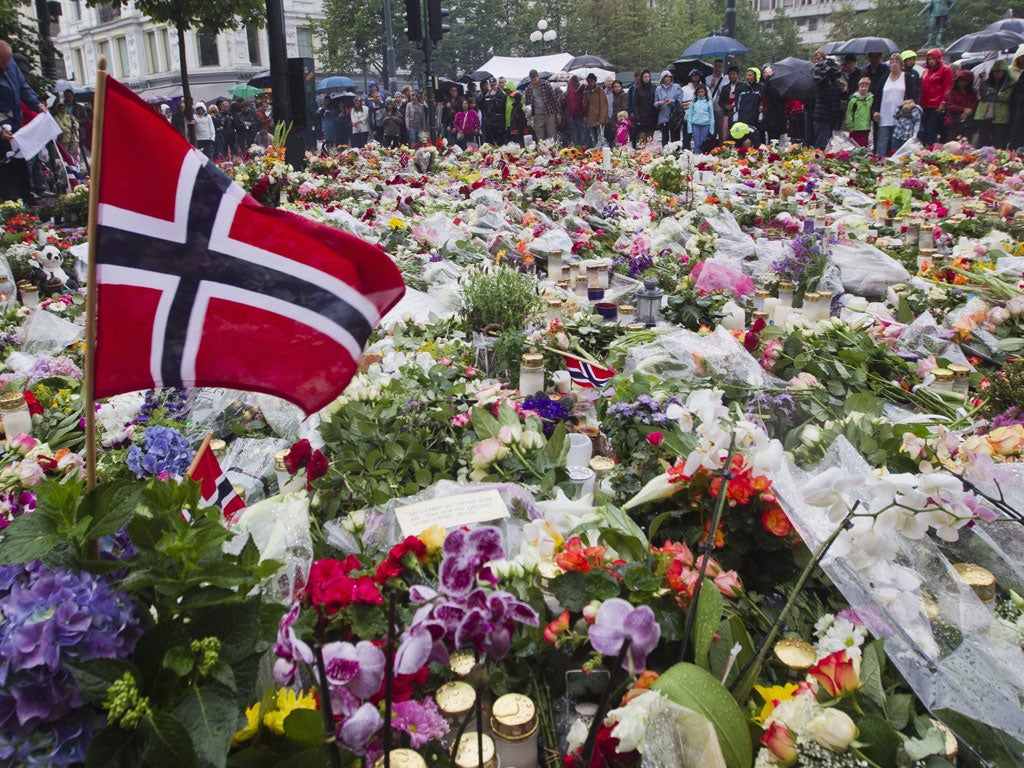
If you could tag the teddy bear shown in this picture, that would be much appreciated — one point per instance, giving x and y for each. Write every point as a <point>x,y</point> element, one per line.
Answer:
<point>48,272</point>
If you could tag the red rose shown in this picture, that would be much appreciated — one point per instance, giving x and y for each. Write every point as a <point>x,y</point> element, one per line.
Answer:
<point>315,468</point>
<point>33,405</point>
<point>297,456</point>
<point>655,438</point>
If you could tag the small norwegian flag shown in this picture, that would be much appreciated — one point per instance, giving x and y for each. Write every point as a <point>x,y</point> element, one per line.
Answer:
<point>586,374</point>
<point>215,488</point>
<point>644,177</point>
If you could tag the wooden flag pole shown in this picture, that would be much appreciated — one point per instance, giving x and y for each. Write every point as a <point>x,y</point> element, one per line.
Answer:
<point>563,353</point>
<point>203,446</point>
<point>99,106</point>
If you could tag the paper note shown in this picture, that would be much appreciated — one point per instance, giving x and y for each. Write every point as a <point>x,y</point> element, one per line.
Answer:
<point>451,511</point>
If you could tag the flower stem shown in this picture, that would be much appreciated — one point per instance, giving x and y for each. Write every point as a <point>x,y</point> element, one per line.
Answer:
<point>746,676</point>
<point>602,709</point>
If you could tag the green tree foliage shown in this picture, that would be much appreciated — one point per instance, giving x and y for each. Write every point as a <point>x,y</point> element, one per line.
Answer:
<point>898,20</point>
<point>184,15</point>
<point>846,23</point>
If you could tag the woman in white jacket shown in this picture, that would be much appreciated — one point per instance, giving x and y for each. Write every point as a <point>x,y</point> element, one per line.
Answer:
<point>206,134</point>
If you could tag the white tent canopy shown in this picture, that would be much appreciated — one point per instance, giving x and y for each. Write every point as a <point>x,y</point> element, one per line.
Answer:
<point>515,68</point>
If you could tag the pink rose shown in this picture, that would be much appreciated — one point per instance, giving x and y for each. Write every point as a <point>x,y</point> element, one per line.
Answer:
<point>655,438</point>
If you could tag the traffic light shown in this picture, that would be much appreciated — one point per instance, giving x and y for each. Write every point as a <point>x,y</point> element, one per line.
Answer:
<point>435,18</point>
<point>414,28</point>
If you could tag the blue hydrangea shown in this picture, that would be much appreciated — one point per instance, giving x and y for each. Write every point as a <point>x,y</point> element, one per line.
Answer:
<point>50,617</point>
<point>164,450</point>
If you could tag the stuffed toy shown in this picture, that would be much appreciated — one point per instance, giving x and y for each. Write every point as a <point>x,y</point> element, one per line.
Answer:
<point>48,272</point>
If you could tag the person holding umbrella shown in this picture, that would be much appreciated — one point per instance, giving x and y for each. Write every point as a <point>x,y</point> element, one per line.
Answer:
<point>773,107</point>
<point>827,114</point>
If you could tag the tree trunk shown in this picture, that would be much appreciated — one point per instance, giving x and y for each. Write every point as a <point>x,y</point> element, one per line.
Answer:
<point>190,123</point>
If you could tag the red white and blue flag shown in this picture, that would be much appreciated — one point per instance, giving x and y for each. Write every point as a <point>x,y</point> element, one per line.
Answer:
<point>589,375</point>
<point>200,285</point>
<point>215,489</point>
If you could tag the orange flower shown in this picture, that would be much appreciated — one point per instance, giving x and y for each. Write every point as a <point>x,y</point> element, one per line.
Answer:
<point>556,628</point>
<point>719,536</point>
<point>836,674</point>
<point>775,521</point>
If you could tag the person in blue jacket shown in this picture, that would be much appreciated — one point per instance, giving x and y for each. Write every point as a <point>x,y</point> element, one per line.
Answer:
<point>700,117</point>
<point>666,96</point>
<point>15,181</point>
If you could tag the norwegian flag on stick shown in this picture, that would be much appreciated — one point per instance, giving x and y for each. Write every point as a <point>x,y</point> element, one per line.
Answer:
<point>215,489</point>
<point>197,284</point>
<point>586,374</point>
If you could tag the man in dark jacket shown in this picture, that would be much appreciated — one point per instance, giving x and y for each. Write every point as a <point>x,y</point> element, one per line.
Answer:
<point>749,95</point>
<point>911,79</point>
<point>828,113</point>
<point>493,109</point>
<point>876,71</point>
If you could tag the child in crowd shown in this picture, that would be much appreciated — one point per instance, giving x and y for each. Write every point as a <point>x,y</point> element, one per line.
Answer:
<point>700,117</point>
<point>625,126</point>
<point>858,113</point>
<point>908,120</point>
<point>517,129</point>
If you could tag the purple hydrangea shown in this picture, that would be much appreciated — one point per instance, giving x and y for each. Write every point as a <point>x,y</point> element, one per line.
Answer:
<point>44,368</point>
<point>51,617</point>
<point>646,410</point>
<point>165,452</point>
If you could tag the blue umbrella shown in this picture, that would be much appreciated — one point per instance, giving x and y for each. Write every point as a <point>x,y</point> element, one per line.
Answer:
<point>334,82</point>
<point>715,45</point>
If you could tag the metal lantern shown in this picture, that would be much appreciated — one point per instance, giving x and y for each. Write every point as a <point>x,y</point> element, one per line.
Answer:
<point>648,302</point>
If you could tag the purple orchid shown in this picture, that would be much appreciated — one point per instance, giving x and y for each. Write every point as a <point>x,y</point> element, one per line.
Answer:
<point>617,620</point>
<point>359,668</point>
<point>289,649</point>
<point>356,731</point>
<point>466,554</point>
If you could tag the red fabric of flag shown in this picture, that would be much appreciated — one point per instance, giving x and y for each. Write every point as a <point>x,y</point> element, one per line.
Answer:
<point>200,285</point>
<point>587,375</point>
<point>215,488</point>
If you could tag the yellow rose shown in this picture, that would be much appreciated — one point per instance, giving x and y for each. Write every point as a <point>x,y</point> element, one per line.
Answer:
<point>1007,441</point>
<point>433,538</point>
<point>979,444</point>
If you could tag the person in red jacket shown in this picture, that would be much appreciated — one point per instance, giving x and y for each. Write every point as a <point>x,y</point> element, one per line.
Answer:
<point>935,84</point>
<point>961,101</point>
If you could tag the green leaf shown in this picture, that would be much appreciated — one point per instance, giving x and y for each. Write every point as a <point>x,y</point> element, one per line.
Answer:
<point>864,402</point>
<point>484,424</point>
<point>932,742</point>
<point>871,666</point>
<point>95,676</point>
<point>179,660</point>
<point>167,742</point>
<point>1010,344</point>
<point>28,537</point>
<point>730,632</point>
<point>898,708</point>
<point>305,727</point>
<point>575,589</point>
<point>110,506</point>
<point>113,748</point>
<point>709,613</point>
<point>211,717</point>
<point>638,578</point>
<point>881,742</point>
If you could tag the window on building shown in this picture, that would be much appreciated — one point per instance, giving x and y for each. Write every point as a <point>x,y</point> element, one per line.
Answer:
<point>152,53</point>
<point>252,36</point>
<point>304,38</point>
<point>206,44</point>
<point>164,38</point>
<point>108,13</point>
<point>75,7</point>
<point>79,59</point>
<point>124,66</point>
<point>103,49</point>
<point>812,23</point>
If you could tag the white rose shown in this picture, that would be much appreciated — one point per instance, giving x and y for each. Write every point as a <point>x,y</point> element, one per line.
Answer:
<point>833,729</point>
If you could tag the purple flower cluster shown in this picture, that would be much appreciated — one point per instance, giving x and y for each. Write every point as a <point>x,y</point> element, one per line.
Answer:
<point>44,368</point>
<point>550,411</point>
<point>165,452</point>
<point>1008,418</point>
<point>462,613</point>
<point>646,410</point>
<point>50,617</point>
<point>779,405</point>
<point>173,401</point>
<point>806,262</point>
<point>639,264</point>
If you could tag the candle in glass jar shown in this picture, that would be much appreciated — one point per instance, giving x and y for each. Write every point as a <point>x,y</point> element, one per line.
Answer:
<point>468,754</point>
<point>531,373</point>
<point>514,725</point>
<point>555,266</point>
<point>14,413</point>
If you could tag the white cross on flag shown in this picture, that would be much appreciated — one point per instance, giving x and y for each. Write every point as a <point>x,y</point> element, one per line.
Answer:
<point>200,285</point>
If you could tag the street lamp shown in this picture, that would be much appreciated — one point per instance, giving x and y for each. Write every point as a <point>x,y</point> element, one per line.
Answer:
<point>543,34</point>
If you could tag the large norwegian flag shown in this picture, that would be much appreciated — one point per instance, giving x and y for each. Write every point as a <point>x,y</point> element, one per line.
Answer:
<point>200,285</point>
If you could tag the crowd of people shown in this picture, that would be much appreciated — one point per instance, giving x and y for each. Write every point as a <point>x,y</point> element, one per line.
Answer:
<point>225,130</point>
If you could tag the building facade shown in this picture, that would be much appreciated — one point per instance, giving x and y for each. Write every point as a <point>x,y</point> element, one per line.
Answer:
<point>811,16</point>
<point>144,55</point>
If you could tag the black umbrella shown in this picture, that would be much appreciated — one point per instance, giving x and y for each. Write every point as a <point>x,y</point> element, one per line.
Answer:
<point>588,62</point>
<point>861,46</point>
<point>261,79</point>
<point>986,41</point>
<point>680,68</point>
<point>1006,25</point>
<point>715,45</point>
<point>829,48</point>
<point>476,76</point>
<point>792,78</point>
<point>444,85</point>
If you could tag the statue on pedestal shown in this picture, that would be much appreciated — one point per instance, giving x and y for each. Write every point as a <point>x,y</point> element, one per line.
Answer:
<point>938,15</point>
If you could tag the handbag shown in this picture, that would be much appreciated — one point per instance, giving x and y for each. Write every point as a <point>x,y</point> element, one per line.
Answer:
<point>676,117</point>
